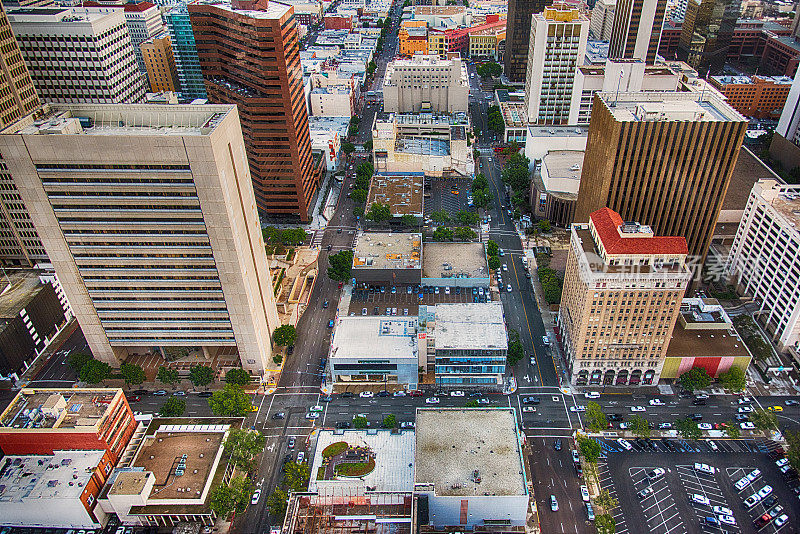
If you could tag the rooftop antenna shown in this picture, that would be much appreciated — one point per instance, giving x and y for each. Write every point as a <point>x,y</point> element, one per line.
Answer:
<point>703,89</point>
<point>616,96</point>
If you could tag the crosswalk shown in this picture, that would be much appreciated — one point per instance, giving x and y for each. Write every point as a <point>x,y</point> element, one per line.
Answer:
<point>316,241</point>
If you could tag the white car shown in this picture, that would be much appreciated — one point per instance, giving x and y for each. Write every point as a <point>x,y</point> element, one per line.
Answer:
<point>781,520</point>
<point>655,474</point>
<point>399,393</point>
<point>747,425</point>
<point>764,492</point>
<point>407,424</point>
<point>782,462</point>
<point>742,483</point>
<point>745,400</point>
<point>712,445</point>
<point>638,409</point>
<point>432,400</point>
<point>728,519</point>
<point>312,415</point>
<point>656,402</point>
<point>753,475</point>
<point>578,408</point>
<point>301,456</point>
<point>705,426</point>
<point>528,409</point>
<point>508,288</point>
<point>722,510</point>
<point>366,394</point>
<point>456,393</point>
<point>700,499</point>
<point>625,444</point>
<point>705,468</point>
<point>585,494</point>
<point>664,426</point>
<point>751,501</point>
<point>505,267</point>
<point>623,426</point>
<point>592,395</point>
<point>256,496</point>
<point>745,409</point>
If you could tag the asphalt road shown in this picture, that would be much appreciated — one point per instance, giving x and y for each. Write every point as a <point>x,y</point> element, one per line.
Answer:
<point>56,372</point>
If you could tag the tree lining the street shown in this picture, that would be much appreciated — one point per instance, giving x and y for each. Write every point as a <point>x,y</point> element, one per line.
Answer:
<point>167,375</point>
<point>764,420</point>
<point>597,420</point>
<point>227,498</point>
<point>173,407</point>
<point>238,377</point>
<point>201,375</point>
<point>340,265</point>
<point>231,401</point>
<point>243,446</point>
<point>639,426</point>
<point>694,379</point>
<point>285,335</point>
<point>132,374</point>
<point>688,428</point>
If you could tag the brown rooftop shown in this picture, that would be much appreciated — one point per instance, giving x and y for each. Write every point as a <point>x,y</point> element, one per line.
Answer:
<point>402,192</point>
<point>704,343</point>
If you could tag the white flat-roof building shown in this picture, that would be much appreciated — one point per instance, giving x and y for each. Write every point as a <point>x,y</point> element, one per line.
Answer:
<point>375,349</point>
<point>387,258</point>
<point>455,265</point>
<point>472,475</point>
<point>765,259</point>
<point>425,83</point>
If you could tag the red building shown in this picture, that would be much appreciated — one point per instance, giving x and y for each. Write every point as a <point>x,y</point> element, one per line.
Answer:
<point>670,37</point>
<point>250,56</point>
<point>338,22</point>
<point>40,421</point>
<point>761,97</point>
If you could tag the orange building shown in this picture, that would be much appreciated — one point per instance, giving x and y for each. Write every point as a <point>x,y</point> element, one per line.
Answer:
<point>160,64</point>
<point>413,36</point>
<point>761,97</point>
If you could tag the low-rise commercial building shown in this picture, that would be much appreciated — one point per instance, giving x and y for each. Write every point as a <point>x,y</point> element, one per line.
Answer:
<point>487,43</point>
<point>43,420</point>
<point>622,292</point>
<point>326,135</point>
<point>554,188</point>
<point>466,344</point>
<point>387,258</point>
<point>764,261</point>
<point>760,97</point>
<point>425,83</point>
<point>375,350</point>
<point>704,337</point>
<point>472,476</point>
<point>402,192</point>
<point>455,265</point>
<point>413,37</point>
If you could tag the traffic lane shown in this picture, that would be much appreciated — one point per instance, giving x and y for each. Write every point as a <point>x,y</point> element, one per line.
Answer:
<point>57,368</point>
<point>196,406</point>
<point>553,473</point>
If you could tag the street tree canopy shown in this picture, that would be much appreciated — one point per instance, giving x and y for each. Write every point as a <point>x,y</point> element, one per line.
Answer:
<point>238,377</point>
<point>242,447</point>
<point>341,265</point>
<point>173,407</point>
<point>285,335</point>
<point>94,371</point>
<point>597,420</point>
<point>694,379</point>
<point>132,373</point>
<point>201,375</point>
<point>231,401</point>
<point>227,498</point>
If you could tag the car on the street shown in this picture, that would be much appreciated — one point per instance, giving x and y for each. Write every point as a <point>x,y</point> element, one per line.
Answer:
<point>761,521</point>
<point>638,409</point>
<point>546,340</point>
<point>300,457</point>
<point>383,393</point>
<point>742,483</point>
<point>791,402</point>
<point>775,511</point>
<point>348,395</point>
<point>343,425</point>
<point>655,474</point>
<point>528,409</point>
<point>205,394</point>
<point>483,400</point>
<point>745,400</point>
<point>324,304</point>
<point>775,408</point>
<point>432,400</point>
<point>366,394</point>
<point>508,288</point>
<point>457,393</point>
<point>575,456</point>
<point>557,444</point>
<point>179,393</point>
<point>656,402</point>
<point>722,510</point>
<point>705,426</point>
<point>742,417</point>
<point>705,468</point>
<point>711,521</point>
<point>696,416</point>
<point>312,415</point>
<point>585,493</point>
<point>624,426</point>
<point>505,267</point>
<point>727,519</point>
<point>407,424</point>
<point>256,496</point>
<point>330,323</point>
<point>160,393</point>
<point>664,426</point>
<point>700,499</point>
<point>291,442</point>
<point>530,400</point>
<point>747,425</point>
<point>701,396</point>
<point>592,395</point>
<point>134,398</point>
<point>553,503</point>
<point>745,409</point>
<point>578,408</point>
<point>625,443</point>
<point>279,415</point>
<point>399,393</point>
<point>501,252</point>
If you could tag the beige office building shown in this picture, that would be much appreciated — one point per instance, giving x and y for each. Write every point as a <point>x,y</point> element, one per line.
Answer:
<point>425,83</point>
<point>148,215</point>
<point>622,294</point>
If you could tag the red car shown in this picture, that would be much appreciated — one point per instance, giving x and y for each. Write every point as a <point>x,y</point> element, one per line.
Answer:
<point>134,398</point>
<point>416,393</point>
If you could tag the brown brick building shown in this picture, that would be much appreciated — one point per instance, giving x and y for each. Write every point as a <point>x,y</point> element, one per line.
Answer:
<point>663,159</point>
<point>622,293</point>
<point>160,64</point>
<point>249,56</point>
<point>761,97</point>
<point>17,93</point>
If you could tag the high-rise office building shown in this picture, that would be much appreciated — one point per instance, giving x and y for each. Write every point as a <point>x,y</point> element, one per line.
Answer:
<point>17,94</point>
<point>602,19</point>
<point>622,293</point>
<point>707,32</point>
<point>148,217</point>
<point>425,83</point>
<point>78,54</point>
<point>663,159</point>
<point>250,56</point>
<point>637,29</point>
<point>160,64</point>
<point>518,33</point>
<point>184,50</point>
<point>557,48</point>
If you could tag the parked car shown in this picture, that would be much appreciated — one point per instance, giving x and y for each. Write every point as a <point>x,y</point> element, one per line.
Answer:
<point>256,496</point>
<point>432,400</point>
<point>553,503</point>
<point>592,395</point>
<point>705,468</point>
<point>700,499</point>
<point>366,394</point>
<point>625,444</point>
<point>656,402</point>
<point>655,474</point>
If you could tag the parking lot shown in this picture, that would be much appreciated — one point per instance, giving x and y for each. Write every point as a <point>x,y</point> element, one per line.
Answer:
<point>449,194</point>
<point>690,500</point>
<point>376,302</point>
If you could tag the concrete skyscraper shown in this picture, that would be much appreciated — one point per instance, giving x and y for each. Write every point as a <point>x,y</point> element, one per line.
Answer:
<point>637,29</point>
<point>518,33</point>
<point>250,56</point>
<point>662,159</point>
<point>148,217</point>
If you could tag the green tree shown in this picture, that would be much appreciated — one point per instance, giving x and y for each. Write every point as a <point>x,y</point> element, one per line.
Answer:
<point>341,265</point>
<point>201,375</point>
<point>243,446</point>
<point>516,174</point>
<point>494,120</point>
<point>440,216</point>
<point>77,360</point>
<point>480,182</point>
<point>463,233</point>
<point>793,448</point>
<point>731,430</point>
<point>358,211</point>
<point>277,502</point>
<point>760,349</point>
<point>94,371</point>
<point>515,353</point>
<point>285,335</point>
<point>348,148</point>
<point>390,421</point>
<point>467,217</point>
<point>231,401</point>
<point>443,234</point>
<point>482,198</point>
<point>168,376</point>
<point>472,403</point>
<point>372,68</point>
<point>295,476</point>
<point>173,407</point>
<point>238,377</point>
<point>544,226</point>
<point>494,262</point>
<point>379,212</point>
<point>489,70</point>
<point>365,170</point>
<point>764,419</point>
<point>598,422</point>
<point>688,428</point>
<point>359,422</point>
<point>733,379</point>
<point>227,498</point>
<point>359,196</point>
<point>639,426</point>
<point>132,373</point>
<point>606,501</point>
<point>605,524</point>
<point>355,120</point>
<point>551,284</point>
<point>368,145</point>
<point>491,248</point>
<point>590,448</point>
<point>293,236</point>
<point>694,379</point>
<point>272,235</point>
<point>409,221</point>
